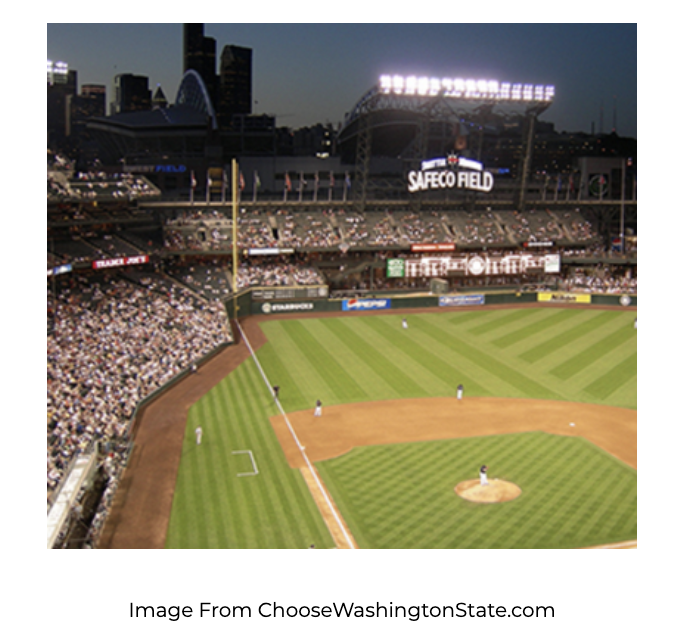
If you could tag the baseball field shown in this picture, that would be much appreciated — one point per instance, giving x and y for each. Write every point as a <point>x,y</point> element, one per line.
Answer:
<point>550,398</point>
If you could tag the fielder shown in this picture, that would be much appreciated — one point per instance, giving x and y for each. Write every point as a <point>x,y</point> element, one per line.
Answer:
<point>404,324</point>
<point>318,408</point>
<point>198,435</point>
<point>483,475</point>
<point>460,391</point>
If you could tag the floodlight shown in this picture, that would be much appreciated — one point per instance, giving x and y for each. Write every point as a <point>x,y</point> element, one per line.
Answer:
<point>411,84</point>
<point>423,86</point>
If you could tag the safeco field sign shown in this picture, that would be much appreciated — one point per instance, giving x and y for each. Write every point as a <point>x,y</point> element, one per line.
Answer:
<point>450,172</point>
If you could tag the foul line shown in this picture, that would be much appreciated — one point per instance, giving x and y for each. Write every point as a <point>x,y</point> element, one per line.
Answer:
<point>295,438</point>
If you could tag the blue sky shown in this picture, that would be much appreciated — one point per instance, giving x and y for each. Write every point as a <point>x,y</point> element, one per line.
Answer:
<point>308,73</point>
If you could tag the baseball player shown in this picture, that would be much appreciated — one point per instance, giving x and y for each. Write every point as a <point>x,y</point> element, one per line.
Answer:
<point>460,391</point>
<point>275,391</point>
<point>483,475</point>
<point>198,435</point>
<point>318,408</point>
<point>404,324</point>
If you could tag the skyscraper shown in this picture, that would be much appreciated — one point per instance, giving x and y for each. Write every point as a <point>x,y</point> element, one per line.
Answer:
<point>235,83</point>
<point>61,87</point>
<point>199,54</point>
<point>131,94</point>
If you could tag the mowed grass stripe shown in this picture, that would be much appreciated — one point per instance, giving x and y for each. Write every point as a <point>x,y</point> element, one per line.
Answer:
<point>368,362</point>
<point>429,375</point>
<point>474,352</point>
<point>612,380</point>
<point>572,338</point>
<point>501,318</point>
<point>294,369</point>
<point>595,353</point>
<point>443,368</point>
<point>478,379</point>
<point>341,382</point>
<point>543,322</point>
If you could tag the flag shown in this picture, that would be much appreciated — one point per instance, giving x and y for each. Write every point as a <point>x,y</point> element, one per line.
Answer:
<point>346,186</point>
<point>224,184</point>
<point>257,184</point>
<point>287,184</point>
<point>241,182</point>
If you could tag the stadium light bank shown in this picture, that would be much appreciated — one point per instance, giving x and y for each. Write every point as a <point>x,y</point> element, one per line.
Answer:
<point>465,88</point>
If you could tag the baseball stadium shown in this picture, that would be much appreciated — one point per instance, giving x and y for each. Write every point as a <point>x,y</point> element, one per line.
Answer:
<point>410,345</point>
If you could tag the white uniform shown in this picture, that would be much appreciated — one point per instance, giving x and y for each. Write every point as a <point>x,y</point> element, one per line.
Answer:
<point>483,475</point>
<point>460,391</point>
<point>198,435</point>
<point>404,324</point>
<point>318,408</point>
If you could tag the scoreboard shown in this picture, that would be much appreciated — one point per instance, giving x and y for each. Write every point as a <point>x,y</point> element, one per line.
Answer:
<point>474,265</point>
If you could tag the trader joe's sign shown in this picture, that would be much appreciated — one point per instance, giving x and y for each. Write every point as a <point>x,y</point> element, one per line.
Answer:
<point>450,172</point>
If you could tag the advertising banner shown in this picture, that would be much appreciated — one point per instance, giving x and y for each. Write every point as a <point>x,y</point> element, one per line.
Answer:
<point>475,299</point>
<point>120,261</point>
<point>432,248</point>
<point>290,293</point>
<point>356,304</point>
<point>287,307</point>
<point>567,298</point>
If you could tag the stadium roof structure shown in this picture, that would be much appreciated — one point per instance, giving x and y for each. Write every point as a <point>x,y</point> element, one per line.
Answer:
<point>192,115</point>
<point>398,107</point>
<point>413,117</point>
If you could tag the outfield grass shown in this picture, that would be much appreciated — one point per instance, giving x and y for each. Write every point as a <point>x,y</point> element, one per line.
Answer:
<point>582,355</point>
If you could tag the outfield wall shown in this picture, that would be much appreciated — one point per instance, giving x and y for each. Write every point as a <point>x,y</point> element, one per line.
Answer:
<point>248,303</point>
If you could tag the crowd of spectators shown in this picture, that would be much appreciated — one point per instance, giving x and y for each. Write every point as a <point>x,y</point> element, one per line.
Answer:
<point>114,342</point>
<point>600,279</point>
<point>94,186</point>
<point>278,272</point>
<point>327,229</point>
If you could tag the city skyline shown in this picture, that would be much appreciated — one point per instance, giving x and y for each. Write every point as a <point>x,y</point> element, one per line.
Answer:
<point>314,73</point>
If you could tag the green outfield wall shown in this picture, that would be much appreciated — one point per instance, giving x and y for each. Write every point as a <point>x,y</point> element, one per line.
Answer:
<point>284,300</point>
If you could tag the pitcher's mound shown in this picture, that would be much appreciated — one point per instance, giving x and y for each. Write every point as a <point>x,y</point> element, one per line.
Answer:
<point>496,491</point>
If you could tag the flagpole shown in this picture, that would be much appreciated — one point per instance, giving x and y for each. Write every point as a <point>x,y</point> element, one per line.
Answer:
<point>624,169</point>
